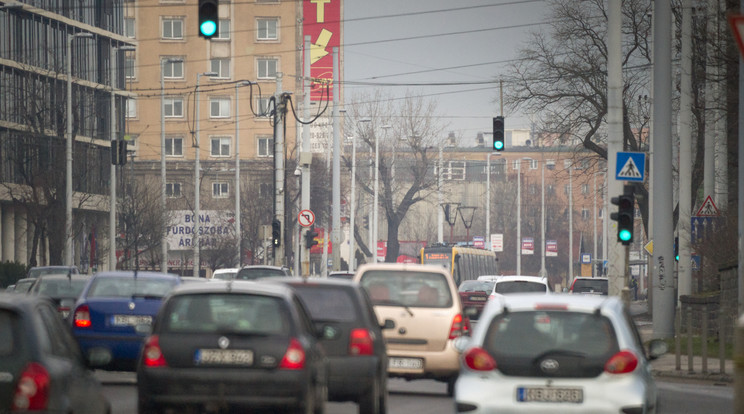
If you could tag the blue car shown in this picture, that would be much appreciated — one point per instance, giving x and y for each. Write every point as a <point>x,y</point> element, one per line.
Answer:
<point>113,314</point>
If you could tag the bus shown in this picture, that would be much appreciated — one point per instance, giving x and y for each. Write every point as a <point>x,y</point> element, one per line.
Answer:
<point>463,263</point>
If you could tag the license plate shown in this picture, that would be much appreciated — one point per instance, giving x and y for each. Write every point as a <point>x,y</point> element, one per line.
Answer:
<point>477,298</point>
<point>224,357</point>
<point>132,320</point>
<point>405,363</point>
<point>550,394</point>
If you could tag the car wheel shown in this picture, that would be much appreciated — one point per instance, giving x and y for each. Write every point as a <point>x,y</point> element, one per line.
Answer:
<point>451,386</point>
<point>146,407</point>
<point>383,393</point>
<point>369,403</point>
<point>321,396</point>
<point>307,405</point>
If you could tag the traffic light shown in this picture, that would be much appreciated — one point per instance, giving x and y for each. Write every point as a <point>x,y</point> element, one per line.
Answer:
<point>625,215</point>
<point>118,152</point>
<point>310,236</point>
<point>208,18</point>
<point>676,249</point>
<point>498,133</point>
<point>276,233</point>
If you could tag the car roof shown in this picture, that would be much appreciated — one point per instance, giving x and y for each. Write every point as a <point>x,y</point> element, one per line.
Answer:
<point>512,278</point>
<point>263,267</point>
<point>518,302</point>
<point>228,270</point>
<point>65,276</point>
<point>590,278</point>
<point>296,280</point>
<point>411,267</point>
<point>233,286</point>
<point>14,301</point>
<point>131,273</point>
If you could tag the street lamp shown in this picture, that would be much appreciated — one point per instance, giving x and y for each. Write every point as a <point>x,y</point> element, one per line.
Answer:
<point>237,175</point>
<point>164,206</point>
<point>197,177</point>
<point>352,245</point>
<point>112,208</point>
<point>68,150</point>
<point>466,214</point>
<point>451,218</point>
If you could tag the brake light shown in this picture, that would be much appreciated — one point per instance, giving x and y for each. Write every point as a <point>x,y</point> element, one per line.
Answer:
<point>294,358</point>
<point>460,327</point>
<point>479,360</point>
<point>82,317</point>
<point>572,286</point>
<point>32,390</point>
<point>152,355</point>
<point>622,363</point>
<point>360,342</point>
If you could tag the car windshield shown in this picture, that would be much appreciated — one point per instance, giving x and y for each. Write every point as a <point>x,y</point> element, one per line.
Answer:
<point>226,313</point>
<point>520,286</point>
<point>22,286</point>
<point>123,287</point>
<point>258,273</point>
<point>331,305</point>
<point>61,288</point>
<point>407,288</point>
<point>476,286</point>
<point>590,286</point>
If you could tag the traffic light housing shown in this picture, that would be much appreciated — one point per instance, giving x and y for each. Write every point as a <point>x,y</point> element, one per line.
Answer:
<point>676,249</point>
<point>625,215</point>
<point>118,152</point>
<point>498,133</point>
<point>208,18</point>
<point>276,233</point>
<point>310,236</point>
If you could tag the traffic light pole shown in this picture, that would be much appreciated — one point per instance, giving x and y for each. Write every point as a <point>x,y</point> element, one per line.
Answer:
<point>279,165</point>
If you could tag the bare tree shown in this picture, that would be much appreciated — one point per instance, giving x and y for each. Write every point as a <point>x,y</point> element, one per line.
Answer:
<point>143,222</point>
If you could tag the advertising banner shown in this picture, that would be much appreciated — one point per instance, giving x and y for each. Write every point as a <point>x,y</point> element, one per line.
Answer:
<point>497,242</point>
<point>216,228</point>
<point>322,22</point>
<point>551,248</point>
<point>528,245</point>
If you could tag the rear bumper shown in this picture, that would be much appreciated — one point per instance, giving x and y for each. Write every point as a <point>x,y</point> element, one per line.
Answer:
<point>240,387</point>
<point>351,377</point>
<point>439,365</point>
<point>124,350</point>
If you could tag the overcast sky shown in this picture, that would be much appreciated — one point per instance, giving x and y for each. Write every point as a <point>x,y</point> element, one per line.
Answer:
<point>463,42</point>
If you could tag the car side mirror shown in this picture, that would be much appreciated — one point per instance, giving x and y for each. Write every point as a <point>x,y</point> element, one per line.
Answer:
<point>389,324</point>
<point>657,348</point>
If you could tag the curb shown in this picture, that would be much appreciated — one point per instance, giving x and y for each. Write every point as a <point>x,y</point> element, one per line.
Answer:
<point>712,377</point>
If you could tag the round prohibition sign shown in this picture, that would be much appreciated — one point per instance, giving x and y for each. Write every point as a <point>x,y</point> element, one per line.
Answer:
<point>306,218</point>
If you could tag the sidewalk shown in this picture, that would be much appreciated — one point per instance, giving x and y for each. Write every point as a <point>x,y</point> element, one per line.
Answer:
<point>666,365</point>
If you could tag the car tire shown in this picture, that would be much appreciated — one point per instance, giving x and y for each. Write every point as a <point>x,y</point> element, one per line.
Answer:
<point>307,405</point>
<point>369,403</point>
<point>383,393</point>
<point>451,386</point>
<point>145,407</point>
<point>320,397</point>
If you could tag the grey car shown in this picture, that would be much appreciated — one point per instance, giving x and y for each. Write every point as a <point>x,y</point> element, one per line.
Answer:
<point>556,353</point>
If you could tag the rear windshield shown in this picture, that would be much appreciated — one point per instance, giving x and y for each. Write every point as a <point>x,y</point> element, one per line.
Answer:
<point>122,287</point>
<point>226,313</point>
<point>407,288</point>
<point>39,271</point>
<point>520,286</point>
<point>476,286</point>
<point>7,322</point>
<point>252,274</point>
<point>61,288</point>
<point>225,275</point>
<point>590,286</point>
<point>22,286</point>
<point>331,305</point>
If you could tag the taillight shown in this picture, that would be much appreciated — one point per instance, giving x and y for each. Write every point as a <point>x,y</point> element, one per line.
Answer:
<point>294,358</point>
<point>32,390</point>
<point>479,360</point>
<point>360,342</point>
<point>622,363</point>
<point>82,317</point>
<point>491,297</point>
<point>152,356</point>
<point>460,327</point>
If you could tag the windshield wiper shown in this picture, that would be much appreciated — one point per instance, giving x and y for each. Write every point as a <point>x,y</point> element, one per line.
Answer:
<point>395,303</point>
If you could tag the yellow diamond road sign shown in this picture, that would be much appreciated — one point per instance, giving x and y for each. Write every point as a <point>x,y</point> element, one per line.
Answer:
<point>649,247</point>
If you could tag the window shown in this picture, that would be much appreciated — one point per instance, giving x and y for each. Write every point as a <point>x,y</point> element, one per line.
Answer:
<point>266,68</point>
<point>550,164</point>
<point>566,164</point>
<point>532,163</point>
<point>262,107</point>
<point>601,213</point>
<point>129,27</point>
<point>173,107</point>
<point>131,108</point>
<point>221,146</point>
<point>265,190</point>
<point>584,214</point>
<point>221,67</point>
<point>133,144</point>
<point>219,108</point>
<point>455,170</point>
<point>173,70</point>
<point>223,30</point>
<point>266,29</point>
<point>265,146</point>
<point>174,147</point>
<point>549,189</point>
<point>172,28</point>
<point>173,190</point>
<point>220,190</point>
<point>584,188</point>
<point>515,164</point>
<point>566,189</point>
<point>129,66</point>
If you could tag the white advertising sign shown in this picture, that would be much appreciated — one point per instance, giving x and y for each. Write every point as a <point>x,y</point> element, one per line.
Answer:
<point>214,225</point>
<point>497,242</point>
<point>528,245</point>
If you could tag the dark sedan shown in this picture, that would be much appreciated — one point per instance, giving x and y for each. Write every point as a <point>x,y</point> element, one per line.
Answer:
<point>238,345</point>
<point>62,289</point>
<point>112,309</point>
<point>474,295</point>
<point>41,367</point>
<point>352,339</point>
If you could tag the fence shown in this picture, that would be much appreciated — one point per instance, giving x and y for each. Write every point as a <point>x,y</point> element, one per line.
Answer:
<point>702,319</point>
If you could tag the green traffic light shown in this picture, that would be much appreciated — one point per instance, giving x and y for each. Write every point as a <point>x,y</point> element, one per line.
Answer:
<point>208,28</point>
<point>625,235</point>
<point>498,145</point>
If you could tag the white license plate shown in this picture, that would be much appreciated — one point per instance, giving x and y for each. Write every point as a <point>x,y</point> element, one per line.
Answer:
<point>224,357</point>
<point>405,363</point>
<point>550,394</point>
<point>477,298</point>
<point>132,320</point>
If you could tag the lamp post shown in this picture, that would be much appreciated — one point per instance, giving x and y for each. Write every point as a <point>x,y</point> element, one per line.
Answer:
<point>449,216</point>
<point>467,221</point>
<point>488,197</point>
<point>112,207</point>
<point>68,150</point>
<point>164,206</point>
<point>237,175</point>
<point>197,178</point>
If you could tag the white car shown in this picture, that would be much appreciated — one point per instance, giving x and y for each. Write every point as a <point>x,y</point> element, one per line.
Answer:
<point>225,274</point>
<point>558,354</point>
<point>520,284</point>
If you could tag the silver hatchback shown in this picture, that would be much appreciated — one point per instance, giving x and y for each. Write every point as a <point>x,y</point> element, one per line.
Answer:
<point>533,353</point>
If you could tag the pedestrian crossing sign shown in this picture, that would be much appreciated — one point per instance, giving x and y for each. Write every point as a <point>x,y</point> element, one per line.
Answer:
<point>631,166</point>
<point>708,209</point>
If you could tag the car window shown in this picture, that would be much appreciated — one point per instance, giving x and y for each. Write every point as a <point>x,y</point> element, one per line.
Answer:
<point>61,342</point>
<point>225,275</point>
<point>22,286</point>
<point>60,287</point>
<point>120,287</point>
<point>258,273</point>
<point>227,313</point>
<point>407,288</point>
<point>476,286</point>
<point>333,305</point>
<point>519,286</point>
<point>8,321</point>
<point>590,286</point>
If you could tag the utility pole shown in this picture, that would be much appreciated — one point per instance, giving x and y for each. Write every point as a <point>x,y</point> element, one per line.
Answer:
<point>281,108</point>
<point>336,181</point>
<point>305,155</point>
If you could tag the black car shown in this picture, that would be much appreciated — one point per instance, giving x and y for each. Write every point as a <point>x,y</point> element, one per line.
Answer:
<point>232,344</point>
<point>352,339</point>
<point>253,272</point>
<point>41,366</point>
<point>62,289</point>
